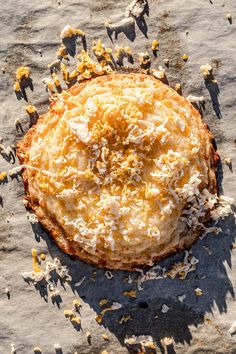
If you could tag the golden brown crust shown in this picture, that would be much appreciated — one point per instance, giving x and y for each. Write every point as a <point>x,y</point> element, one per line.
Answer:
<point>50,224</point>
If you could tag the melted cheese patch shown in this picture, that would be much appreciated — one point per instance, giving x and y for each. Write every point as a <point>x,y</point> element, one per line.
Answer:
<point>116,163</point>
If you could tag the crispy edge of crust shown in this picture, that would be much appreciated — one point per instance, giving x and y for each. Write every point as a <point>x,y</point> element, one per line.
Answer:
<point>57,233</point>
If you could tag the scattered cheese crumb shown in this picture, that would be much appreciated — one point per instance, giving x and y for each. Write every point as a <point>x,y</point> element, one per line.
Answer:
<point>165,308</point>
<point>185,57</point>
<point>22,73</point>
<point>206,70</point>
<point>75,320</point>
<point>3,176</point>
<point>77,304</point>
<point>230,18</point>
<point>105,337</point>
<point>178,88</point>
<point>131,293</point>
<point>31,109</point>
<point>167,341</point>
<point>68,313</point>
<point>198,292</point>
<point>68,32</point>
<point>167,62</point>
<point>103,302</point>
<point>57,346</point>
<point>155,45</point>
<point>124,319</point>
<point>98,318</point>
<point>159,73</point>
<point>7,291</point>
<point>42,256</point>
<point>232,329</point>
<point>17,86</point>
<point>13,349</point>
<point>108,274</point>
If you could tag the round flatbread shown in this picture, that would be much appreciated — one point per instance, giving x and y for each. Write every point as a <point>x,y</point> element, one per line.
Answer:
<point>120,171</point>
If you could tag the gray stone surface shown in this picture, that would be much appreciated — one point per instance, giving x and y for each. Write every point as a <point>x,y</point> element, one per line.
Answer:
<point>198,324</point>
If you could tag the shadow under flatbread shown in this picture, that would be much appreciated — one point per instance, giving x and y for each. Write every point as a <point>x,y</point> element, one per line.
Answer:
<point>214,92</point>
<point>145,310</point>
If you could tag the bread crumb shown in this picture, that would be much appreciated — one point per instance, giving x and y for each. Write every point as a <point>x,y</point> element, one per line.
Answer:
<point>3,176</point>
<point>22,73</point>
<point>103,302</point>
<point>68,313</point>
<point>124,319</point>
<point>165,308</point>
<point>37,350</point>
<point>232,329</point>
<point>155,45</point>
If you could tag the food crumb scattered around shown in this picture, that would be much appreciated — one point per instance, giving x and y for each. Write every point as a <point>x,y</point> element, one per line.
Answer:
<point>198,292</point>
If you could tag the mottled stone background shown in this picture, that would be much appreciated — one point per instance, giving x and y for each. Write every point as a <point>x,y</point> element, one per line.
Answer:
<point>198,324</point>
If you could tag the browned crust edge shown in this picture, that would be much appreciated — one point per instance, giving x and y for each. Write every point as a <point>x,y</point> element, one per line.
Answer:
<point>57,233</point>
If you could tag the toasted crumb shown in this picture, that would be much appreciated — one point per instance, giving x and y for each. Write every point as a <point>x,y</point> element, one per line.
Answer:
<point>37,350</point>
<point>131,293</point>
<point>144,59</point>
<point>198,292</point>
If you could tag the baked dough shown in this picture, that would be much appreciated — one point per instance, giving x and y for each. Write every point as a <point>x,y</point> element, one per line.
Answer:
<point>120,171</point>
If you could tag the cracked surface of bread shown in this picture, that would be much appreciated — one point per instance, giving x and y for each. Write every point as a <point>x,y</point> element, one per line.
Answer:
<point>120,171</point>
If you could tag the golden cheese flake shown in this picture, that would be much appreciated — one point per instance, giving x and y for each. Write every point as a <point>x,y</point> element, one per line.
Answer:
<point>99,318</point>
<point>42,256</point>
<point>56,80</point>
<point>34,254</point>
<point>62,52</point>
<point>105,337</point>
<point>22,73</point>
<point>30,109</point>
<point>155,45</point>
<point>17,86</point>
<point>77,304</point>
<point>131,293</point>
<point>75,320</point>
<point>124,319</point>
<point>100,51</point>
<point>144,58</point>
<point>103,302</point>
<point>185,57</point>
<point>69,313</point>
<point>3,176</point>
<point>198,292</point>
<point>69,31</point>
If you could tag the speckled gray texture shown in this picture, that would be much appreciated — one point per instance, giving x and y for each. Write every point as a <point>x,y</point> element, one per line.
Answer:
<point>199,324</point>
